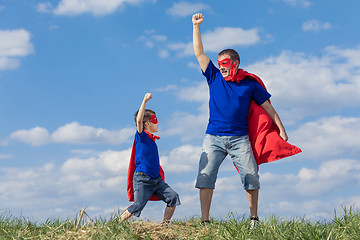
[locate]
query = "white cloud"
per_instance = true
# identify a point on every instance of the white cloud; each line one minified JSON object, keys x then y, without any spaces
{"x":159,"y":38}
{"x":44,"y":7}
{"x":181,"y":159}
{"x":315,"y":26}
{"x":79,"y":134}
{"x":226,"y":37}
{"x":311,"y":183}
{"x":97,"y":182}
{"x":163,"y":53}
{"x":329,"y":137}
{"x":331,"y":175}
{"x":311,"y":192}
{"x":95,"y":176}
{"x":14,"y":44}
{"x":288,"y":196}
{"x":167,"y":88}
{"x":304,"y":85}
{"x":197,"y":93}
{"x":153,"y":40}
{"x":183,"y":49}
{"x":72,"y":133}
{"x":95,"y":7}
{"x":214,"y":41}
{"x":102,"y":165}
{"x":220,"y":38}
{"x":193,"y":125}
{"x":183,"y":9}
{"x":9,"y":63}
{"x":36,"y":136}
{"x":194,"y":65}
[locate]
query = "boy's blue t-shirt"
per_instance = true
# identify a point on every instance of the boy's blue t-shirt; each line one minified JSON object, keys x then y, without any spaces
{"x":146,"y":155}
{"x":229,"y":103}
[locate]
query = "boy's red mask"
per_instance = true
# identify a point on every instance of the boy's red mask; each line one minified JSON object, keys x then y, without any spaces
{"x":153,"y":119}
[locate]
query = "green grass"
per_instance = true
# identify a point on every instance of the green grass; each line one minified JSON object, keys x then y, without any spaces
{"x":344,"y":226}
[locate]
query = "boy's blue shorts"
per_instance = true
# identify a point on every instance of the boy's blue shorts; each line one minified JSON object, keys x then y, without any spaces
{"x":145,"y":186}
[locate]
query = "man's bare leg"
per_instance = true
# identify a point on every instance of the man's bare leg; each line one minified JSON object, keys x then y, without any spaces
{"x":168,"y":213}
{"x":125,"y":215}
{"x":205,"y":202}
{"x":253,"y":197}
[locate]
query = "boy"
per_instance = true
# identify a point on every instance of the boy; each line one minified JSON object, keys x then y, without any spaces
{"x":147,"y":178}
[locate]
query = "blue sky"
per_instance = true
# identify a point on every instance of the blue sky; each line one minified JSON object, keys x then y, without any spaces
{"x":73,"y":73}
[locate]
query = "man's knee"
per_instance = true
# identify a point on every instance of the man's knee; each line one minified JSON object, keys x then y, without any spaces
{"x":251,"y":182}
{"x":206,"y":181}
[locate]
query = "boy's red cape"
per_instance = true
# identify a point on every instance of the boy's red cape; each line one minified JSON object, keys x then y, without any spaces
{"x":264,"y":137}
{"x":131,"y":170}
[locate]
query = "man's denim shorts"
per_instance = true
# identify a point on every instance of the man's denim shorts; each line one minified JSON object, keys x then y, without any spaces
{"x":145,"y":186}
{"x":215,"y":149}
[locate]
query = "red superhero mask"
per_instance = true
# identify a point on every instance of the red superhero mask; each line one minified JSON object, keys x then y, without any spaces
{"x":226,"y":62}
{"x":153,"y":119}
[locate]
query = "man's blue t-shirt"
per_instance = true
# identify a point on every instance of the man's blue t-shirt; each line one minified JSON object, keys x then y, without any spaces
{"x":146,"y":155}
{"x":229,"y":103}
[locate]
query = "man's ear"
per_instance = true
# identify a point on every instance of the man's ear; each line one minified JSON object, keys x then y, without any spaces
{"x":237,"y":63}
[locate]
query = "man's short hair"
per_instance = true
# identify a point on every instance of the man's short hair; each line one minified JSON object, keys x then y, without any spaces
{"x":232,"y":53}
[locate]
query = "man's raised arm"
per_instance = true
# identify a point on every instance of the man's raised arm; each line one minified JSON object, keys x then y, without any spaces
{"x":202,"y":58}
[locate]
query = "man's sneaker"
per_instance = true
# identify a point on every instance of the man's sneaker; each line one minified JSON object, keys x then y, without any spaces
{"x":165,"y":222}
{"x":205,"y":222}
{"x":254,"y":222}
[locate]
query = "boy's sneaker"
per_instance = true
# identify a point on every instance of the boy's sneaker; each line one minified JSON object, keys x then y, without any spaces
{"x":254,"y":222}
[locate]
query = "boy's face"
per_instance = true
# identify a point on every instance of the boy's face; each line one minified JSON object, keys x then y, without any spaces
{"x":152,"y":125}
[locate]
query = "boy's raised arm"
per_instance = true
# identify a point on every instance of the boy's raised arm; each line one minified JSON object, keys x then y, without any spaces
{"x":140,"y":116}
{"x":202,"y":58}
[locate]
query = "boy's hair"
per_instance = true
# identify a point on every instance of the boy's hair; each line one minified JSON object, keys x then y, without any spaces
{"x":234,"y":55}
{"x":147,"y":115}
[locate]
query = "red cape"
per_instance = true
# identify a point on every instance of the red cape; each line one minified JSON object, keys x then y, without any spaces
{"x":131,"y":170}
{"x":264,"y":137}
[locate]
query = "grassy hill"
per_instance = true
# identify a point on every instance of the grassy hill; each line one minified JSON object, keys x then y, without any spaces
{"x":344,"y":226}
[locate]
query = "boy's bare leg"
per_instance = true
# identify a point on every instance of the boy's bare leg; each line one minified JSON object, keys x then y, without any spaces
{"x":125,"y":215}
{"x":205,"y":202}
{"x":168,"y":213}
{"x":253,"y":196}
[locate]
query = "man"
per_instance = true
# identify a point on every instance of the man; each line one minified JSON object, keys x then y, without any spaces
{"x":227,"y":131}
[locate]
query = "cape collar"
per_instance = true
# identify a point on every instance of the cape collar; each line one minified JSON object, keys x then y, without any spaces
{"x":152,"y":136}
{"x":240,"y":75}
